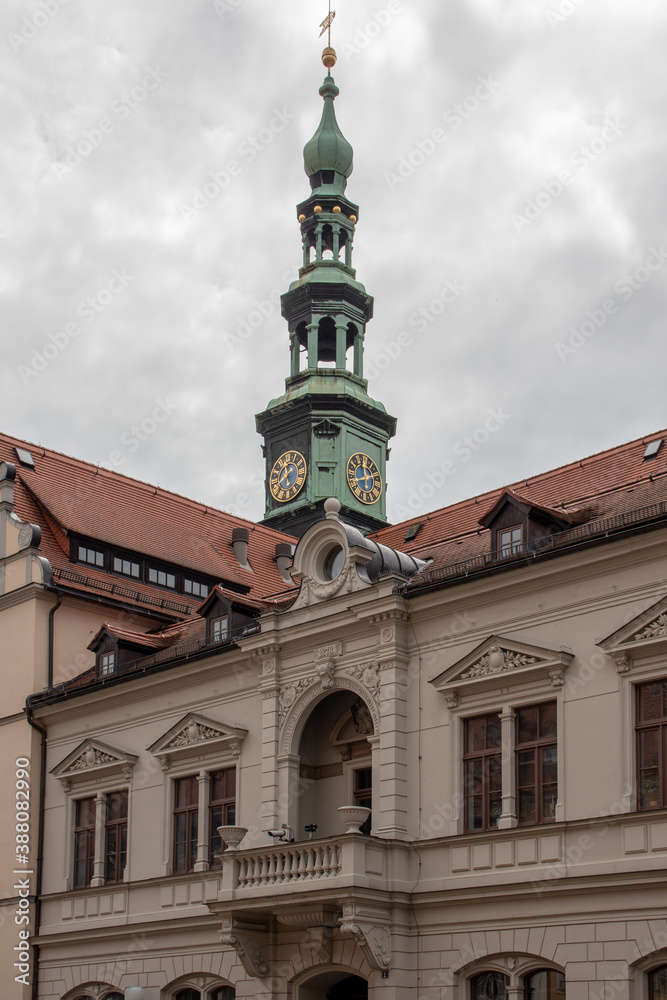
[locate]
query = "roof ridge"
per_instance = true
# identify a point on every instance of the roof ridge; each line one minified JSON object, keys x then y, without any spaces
{"x":530,"y":482}
{"x":156,"y":489}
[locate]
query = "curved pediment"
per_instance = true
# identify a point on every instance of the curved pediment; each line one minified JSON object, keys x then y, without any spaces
{"x":501,"y":661}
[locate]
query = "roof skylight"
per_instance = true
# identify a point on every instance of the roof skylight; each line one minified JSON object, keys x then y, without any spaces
{"x":652,"y":448}
{"x":25,"y":458}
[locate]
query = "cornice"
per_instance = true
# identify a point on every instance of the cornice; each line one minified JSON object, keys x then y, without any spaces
{"x":31,"y":592}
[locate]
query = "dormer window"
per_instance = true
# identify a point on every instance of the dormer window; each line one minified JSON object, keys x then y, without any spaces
{"x":510,"y":540}
{"x":126,"y":567}
{"x":219,"y":629}
{"x":91,"y":556}
{"x":195,"y":588}
{"x":107,"y":664}
{"x":161,"y":577}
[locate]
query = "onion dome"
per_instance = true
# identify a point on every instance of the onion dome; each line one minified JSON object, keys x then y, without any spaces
{"x":328,"y":155}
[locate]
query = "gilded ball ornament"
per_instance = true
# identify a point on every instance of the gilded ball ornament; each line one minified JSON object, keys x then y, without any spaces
{"x":329,"y":57}
{"x":336,"y":209}
{"x":302,"y":218}
{"x":317,"y":209}
{"x":353,"y":218}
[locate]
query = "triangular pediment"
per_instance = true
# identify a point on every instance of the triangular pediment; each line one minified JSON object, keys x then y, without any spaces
{"x":195,"y":732}
{"x":91,"y":759}
{"x":499,"y":660}
{"x":642,"y":636}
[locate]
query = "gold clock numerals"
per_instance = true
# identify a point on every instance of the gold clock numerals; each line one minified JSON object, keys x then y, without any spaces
{"x":287,"y":476}
{"x":363,"y":478}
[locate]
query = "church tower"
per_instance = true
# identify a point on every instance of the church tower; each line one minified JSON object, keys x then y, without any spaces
{"x":325,"y":436}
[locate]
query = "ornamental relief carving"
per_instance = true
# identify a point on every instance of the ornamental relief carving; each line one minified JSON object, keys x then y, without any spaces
{"x":194,"y":732}
{"x":289,"y":694}
{"x":369,"y":675}
{"x":496,"y":661}
{"x":91,"y":758}
{"x":654,"y":630}
{"x":296,"y":697}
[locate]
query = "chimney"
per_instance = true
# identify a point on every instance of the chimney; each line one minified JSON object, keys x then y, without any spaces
{"x":240,"y":539}
{"x":284,"y":560}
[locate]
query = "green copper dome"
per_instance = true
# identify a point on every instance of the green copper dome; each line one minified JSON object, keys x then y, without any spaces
{"x":328,"y":152}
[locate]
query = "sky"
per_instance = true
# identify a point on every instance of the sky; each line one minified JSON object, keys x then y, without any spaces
{"x":510,"y":173}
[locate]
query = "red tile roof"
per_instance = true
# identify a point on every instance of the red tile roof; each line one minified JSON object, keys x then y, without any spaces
{"x":603,"y":485}
{"x":66,"y":497}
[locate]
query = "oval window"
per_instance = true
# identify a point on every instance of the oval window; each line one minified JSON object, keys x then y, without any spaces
{"x":333,"y":563}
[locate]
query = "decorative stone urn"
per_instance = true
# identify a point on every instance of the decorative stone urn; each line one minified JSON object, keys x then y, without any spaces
{"x":232,"y":835}
{"x":353,"y":817}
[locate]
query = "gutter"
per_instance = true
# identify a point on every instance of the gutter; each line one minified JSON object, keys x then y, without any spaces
{"x":409,"y":590}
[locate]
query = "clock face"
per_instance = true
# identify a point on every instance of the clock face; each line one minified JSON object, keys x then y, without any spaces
{"x":363,"y":478}
{"x":287,"y":476}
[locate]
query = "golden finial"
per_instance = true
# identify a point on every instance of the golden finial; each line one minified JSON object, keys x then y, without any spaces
{"x":329,"y":54}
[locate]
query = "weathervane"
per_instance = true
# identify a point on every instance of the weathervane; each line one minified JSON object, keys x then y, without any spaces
{"x":329,"y":54}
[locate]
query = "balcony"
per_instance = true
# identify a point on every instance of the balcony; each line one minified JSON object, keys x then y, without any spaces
{"x":332,"y":864}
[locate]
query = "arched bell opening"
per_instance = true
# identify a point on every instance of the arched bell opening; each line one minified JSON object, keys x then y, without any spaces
{"x":335,"y":764}
{"x":326,"y":342}
{"x":333,"y":986}
{"x":327,"y":242}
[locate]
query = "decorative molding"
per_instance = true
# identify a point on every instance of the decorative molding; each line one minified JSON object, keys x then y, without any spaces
{"x":311,"y":692}
{"x":373,"y":939}
{"x":623,"y":663}
{"x":92,"y":759}
{"x":643,"y":635}
{"x":249,"y":941}
{"x":369,"y":675}
{"x":501,"y":660}
{"x":496,"y":661}
{"x":655,"y":629}
{"x":329,"y":652}
{"x":326,"y":672}
{"x":289,"y":695}
{"x":195,"y":733}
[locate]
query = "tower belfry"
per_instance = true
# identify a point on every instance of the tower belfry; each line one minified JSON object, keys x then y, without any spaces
{"x":325,"y":436}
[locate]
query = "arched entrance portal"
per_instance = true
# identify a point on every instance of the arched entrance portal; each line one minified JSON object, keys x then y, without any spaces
{"x":335,"y":763}
{"x":334,"y":986}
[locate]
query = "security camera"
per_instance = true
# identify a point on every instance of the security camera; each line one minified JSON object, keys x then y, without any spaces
{"x":286,"y":834}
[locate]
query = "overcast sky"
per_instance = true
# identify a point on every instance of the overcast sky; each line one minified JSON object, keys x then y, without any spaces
{"x":510,"y":171}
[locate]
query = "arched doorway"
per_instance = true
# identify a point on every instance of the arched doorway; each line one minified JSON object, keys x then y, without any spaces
{"x":334,"y":986}
{"x":335,"y":763}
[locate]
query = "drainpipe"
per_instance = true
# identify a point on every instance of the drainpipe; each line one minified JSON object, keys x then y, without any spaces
{"x":40,"y":850}
{"x":42,"y":795}
{"x":51,"y":643}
